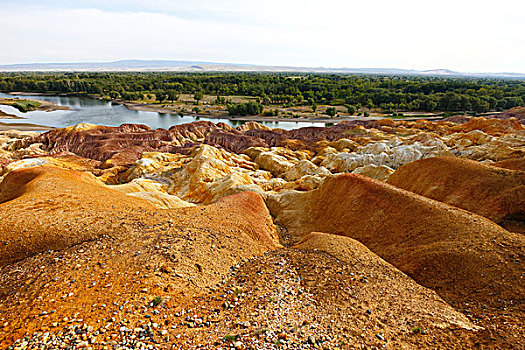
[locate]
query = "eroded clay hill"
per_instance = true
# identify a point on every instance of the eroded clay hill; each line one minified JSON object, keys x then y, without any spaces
{"x":98,"y":257}
{"x":91,"y":240}
{"x":130,"y":237}
{"x":201,"y":162}
{"x":495,"y":193}
{"x":329,"y":292}
{"x":459,"y":254}
{"x":512,"y":164}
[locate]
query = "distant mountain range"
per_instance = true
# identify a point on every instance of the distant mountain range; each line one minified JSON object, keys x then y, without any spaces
{"x":198,"y":66}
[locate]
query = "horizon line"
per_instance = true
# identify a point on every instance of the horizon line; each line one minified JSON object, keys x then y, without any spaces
{"x":204,"y":62}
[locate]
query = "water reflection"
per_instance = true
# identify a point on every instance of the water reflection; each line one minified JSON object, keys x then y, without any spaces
{"x":89,"y":110}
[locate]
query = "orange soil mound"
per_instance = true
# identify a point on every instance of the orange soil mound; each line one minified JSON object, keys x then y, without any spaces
{"x":496,"y":127}
{"x":380,"y":276}
{"x":45,"y":208}
{"x":489,"y":191}
{"x":328,"y":285}
{"x":461,"y":255}
{"x":512,"y":164}
{"x":51,"y":208}
{"x":92,"y":240}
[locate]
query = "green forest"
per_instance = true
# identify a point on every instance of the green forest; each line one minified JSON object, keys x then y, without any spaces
{"x":387,"y":93}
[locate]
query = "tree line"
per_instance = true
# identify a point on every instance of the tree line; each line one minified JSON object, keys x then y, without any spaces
{"x":389,"y":93}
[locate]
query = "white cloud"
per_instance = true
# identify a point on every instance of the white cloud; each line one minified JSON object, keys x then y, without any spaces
{"x":461,"y":35}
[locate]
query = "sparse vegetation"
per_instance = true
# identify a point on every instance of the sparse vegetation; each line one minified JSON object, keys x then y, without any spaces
{"x":157,"y":301}
{"x":26,"y":105}
{"x":416,"y":330}
{"x":228,"y":338}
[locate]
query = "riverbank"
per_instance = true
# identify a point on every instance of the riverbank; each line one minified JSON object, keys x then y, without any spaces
{"x":23,"y":127}
{"x":4,"y":115}
{"x":212,"y":113}
{"x":40,"y":105}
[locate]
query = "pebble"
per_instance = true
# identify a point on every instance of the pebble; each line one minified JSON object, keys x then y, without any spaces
{"x":380,"y":337}
{"x":282,"y":336}
{"x":82,"y":344}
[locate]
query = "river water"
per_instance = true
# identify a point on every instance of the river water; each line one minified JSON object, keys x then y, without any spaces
{"x":89,"y":110}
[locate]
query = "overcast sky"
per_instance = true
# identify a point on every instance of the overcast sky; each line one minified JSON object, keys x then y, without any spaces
{"x":463,"y":35}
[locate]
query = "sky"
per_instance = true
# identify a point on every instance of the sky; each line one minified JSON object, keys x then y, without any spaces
{"x":461,"y":35}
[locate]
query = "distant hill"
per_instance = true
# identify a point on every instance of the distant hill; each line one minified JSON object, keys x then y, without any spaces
{"x":199,"y":66}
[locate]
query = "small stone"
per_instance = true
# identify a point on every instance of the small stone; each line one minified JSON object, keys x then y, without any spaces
{"x":82,"y":344}
{"x":311,"y":340}
{"x":380,"y":337}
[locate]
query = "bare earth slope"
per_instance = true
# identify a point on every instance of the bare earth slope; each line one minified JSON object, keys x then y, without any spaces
{"x":45,"y":208}
{"x":512,"y":164}
{"x":328,"y":291}
{"x":495,"y":193}
{"x":191,"y":247}
{"x":458,"y":254}
{"x":108,"y":239}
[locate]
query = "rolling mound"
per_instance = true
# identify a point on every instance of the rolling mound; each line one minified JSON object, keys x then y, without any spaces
{"x":108,"y":238}
{"x":92,"y":241}
{"x":458,"y":254}
{"x":382,"y":279}
{"x":512,"y":164}
{"x":327,"y":291}
{"x":495,"y":193}
{"x":44,"y":208}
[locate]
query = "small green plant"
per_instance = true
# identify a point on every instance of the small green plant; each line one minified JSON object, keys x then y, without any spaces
{"x":228,"y":337}
{"x":416,"y":330}
{"x":157,"y":301}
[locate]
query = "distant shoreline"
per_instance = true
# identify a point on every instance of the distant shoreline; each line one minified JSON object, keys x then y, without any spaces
{"x":45,"y":106}
{"x":4,"y":115}
{"x":322,"y":121}
{"x":225,"y":115}
{"x":24,"y":127}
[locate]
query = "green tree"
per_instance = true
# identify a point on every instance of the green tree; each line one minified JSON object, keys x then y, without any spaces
{"x":242,"y":109}
{"x":160,"y":96}
{"x":198,"y":96}
{"x":351,"y":109}
{"x":114,"y":94}
{"x":172,"y":95}
{"x":331,"y":111}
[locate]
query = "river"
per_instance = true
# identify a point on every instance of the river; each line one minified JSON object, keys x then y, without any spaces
{"x":90,"y":110}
